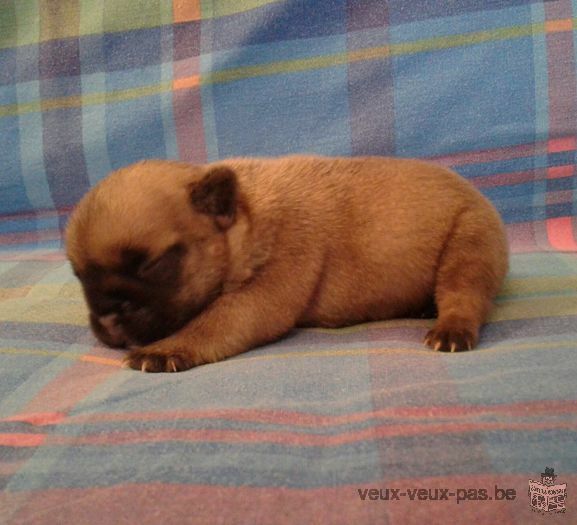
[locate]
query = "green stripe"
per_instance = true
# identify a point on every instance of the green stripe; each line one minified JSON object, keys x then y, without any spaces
{"x":110,"y":16}
{"x":91,"y":17}
{"x":8,"y":26}
{"x":290,"y":66}
{"x":118,"y":17}
{"x":85,"y":100}
{"x":538,"y":286}
{"x":481,"y":37}
{"x":129,"y":15}
{"x":373,"y":53}
{"x":218,"y":8}
{"x":530,"y":308}
{"x":44,"y":353}
{"x":275,"y":68}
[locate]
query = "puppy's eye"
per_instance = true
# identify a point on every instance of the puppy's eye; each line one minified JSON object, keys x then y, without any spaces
{"x":164,"y":268}
{"x":128,"y":307}
{"x":104,"y":304}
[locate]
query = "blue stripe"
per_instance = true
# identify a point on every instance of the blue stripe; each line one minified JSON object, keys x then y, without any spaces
{"x":298,"y":467}
{"x":28,"y":224}
{"x":13,"y":198}
{"x":33,"y":172}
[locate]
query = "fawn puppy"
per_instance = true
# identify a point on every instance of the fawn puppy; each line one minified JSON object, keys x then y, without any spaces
{"x":190,"y":264}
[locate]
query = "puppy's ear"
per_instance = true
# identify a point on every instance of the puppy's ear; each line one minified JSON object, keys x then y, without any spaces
{"x":216,"y":194}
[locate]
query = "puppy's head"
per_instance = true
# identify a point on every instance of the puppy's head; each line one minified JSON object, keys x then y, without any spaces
{"x":149,"y":245}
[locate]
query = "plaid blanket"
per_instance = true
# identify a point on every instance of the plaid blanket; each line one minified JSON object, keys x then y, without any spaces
{"x":357,"y":425}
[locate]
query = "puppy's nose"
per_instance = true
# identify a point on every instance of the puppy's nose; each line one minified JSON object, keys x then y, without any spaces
{"x":109,"y":322}
{"x":111,"y":325}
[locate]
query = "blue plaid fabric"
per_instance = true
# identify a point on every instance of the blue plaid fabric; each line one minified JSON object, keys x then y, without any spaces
{"x":322,"y":426}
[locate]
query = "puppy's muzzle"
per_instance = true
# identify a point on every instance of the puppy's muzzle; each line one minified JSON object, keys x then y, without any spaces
{"x":110,"y":331}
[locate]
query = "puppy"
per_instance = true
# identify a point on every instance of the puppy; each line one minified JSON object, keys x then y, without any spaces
{"x":187,"y":265}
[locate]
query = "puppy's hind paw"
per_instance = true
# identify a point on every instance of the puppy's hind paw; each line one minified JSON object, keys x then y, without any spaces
{"x":450,"y":339}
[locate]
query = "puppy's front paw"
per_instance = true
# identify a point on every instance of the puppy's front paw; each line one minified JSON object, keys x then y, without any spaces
{"x":451,"y":338}
{"x":161,"y":357}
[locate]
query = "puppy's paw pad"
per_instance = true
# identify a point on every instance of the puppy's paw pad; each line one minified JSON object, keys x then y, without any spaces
{"x":149,"y":359}
{"x":450,"y":340}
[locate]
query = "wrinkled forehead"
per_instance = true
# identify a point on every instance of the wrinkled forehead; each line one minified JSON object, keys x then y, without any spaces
{"x":143,"y":206}
{"x":112,"y":234}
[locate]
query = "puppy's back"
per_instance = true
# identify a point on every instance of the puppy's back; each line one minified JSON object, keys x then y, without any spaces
{"x":381,"y":225}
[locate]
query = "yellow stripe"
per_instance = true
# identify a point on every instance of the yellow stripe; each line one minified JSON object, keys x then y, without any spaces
{"x":219,"y":8}
{"x":13,"y":293}
{"x":480,"y":37}
{"x":91,"y":99}
{"x":52,"y":312}
{"x":275,"y":68}
{"x":289,"y":66}
{"x":375,"y":53}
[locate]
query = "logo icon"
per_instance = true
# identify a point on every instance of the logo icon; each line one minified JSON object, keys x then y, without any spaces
{"x":545,"y":495}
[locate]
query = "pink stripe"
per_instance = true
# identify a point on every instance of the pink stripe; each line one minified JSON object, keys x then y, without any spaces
{"x":562,"y":87}
{"x":297,"y":439}
{"x":557,"y":172}
{"x":303,"y":419}
{"x":562,"y":144}
{"x":9,"y":469}
{"x":188,"y":116}
{"x":521,"y":237}
{"x":339,"y":505}
{"x":26,"y":237}
{"x":503,"y":179}
{"x":560,"y":234}
{"x":292,"y":438}
{"x":473,"y":157}
{"x":37,"y":214}
{"x":69,"y":388}
{"x":187,"y":67}
{"x":22,"y":440}
{"x":40,"y":418}
{"x":189,"y":125}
